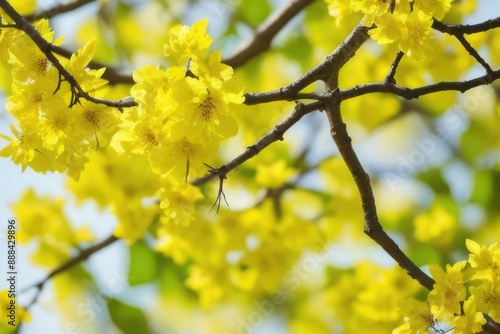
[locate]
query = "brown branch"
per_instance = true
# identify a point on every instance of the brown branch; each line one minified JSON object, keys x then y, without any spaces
{"x":414,"y":93}
{"x":59,"y":9}
{"x":332,"y":64}
{"x":265,"y":33}
{"x":271,"y":137}
{"x":372,"y":226}
{"x":392,"y":72}
{"x":458,"y":31}
{"x":467,"y":29}
{"x":82,"y":256}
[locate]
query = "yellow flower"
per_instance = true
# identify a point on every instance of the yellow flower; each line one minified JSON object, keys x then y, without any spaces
{"x":25,"y":56}
{"x":22,"y":148}
{"x":435,"y":8}
{"x":485,"y":261}
{"x":412,"y":31}
{"x":470,"y":321}
{"x":375,"y":7}
{"x":417,"y":40}
{"x":178,"y":200}
{"x":181,"y":155}
{"x":448,"y":291}
{"x":418,"y":317}
{"x":187,"y":43}
{"x":204,"y":109}
{"x":487,"y":298}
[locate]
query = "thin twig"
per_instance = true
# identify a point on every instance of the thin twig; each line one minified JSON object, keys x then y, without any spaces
{"x":82,"y":256}
{"x":59,"y":9}
{"x":414,"y":93}
{"x":392,"y":72}
{"x":271,"y":137}
{"x":332,"y":64}
{"x":466,"y":29}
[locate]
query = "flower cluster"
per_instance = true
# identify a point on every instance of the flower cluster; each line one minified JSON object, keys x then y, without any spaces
{"x":184,"y":110}
{"x":450,"y":304}
{"x":408,"y":23}
{"x":183,"y":113}
{"x":53,"y":134}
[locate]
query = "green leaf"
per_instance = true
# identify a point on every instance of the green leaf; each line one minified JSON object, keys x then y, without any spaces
{"x":172,"y":277}
{"x":143,"y":264}
{"x":423,"y":254}
{"x":434,"y":179}
{"x":475,"y":142}
{"x":254,"y":12}
{"x":129,"y":319}
{"x":495,"y":194}
{"x":298,"y":48}
{"x":482,"y":187}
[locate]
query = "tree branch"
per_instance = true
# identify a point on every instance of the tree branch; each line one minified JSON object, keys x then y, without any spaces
{"x":372,"y":225}
{"x":59,"y":9}
{"x":82,"y":256}
{"x":467,"y":29}
{"x":251,"y":151}
{"x":414,"y":93}
{"x":265,"y":33}
{"x":332,"y":64}
{"x":392,"y":72}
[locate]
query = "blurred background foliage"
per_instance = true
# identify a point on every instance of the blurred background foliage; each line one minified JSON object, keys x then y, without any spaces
{"x":288,"y":255}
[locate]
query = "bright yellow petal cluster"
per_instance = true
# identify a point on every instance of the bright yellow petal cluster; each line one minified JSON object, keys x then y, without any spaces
{"x":435,"y":8}
{"x":184,"y":110}
{"x":249,"y":251}
{"x":449,"y":304}
{"x":409,"y":24}
{"x":449,"y":290}
{"x":418,"y":317}
{"x":484,"y":260}
{"x":53,"y":135}
{"x":177,"y":200}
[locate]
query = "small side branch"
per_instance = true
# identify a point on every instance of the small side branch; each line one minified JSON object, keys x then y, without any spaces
{"x":414,"y":93}
{"x":326,"y":71}
{"x":466,"y":29}
{"x":274,"y":135}
{"x":392,"y":72}
{"x":59,"y":9}
{"x":82,"y":256}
